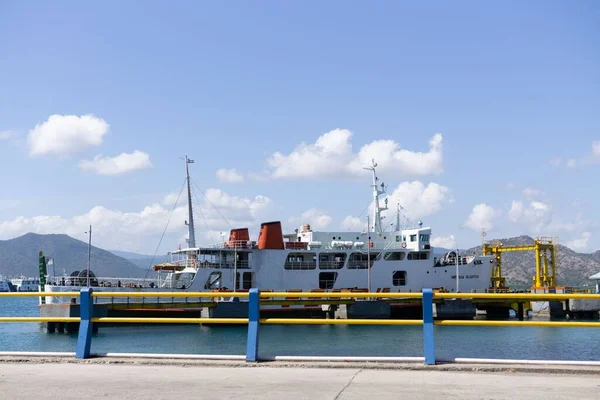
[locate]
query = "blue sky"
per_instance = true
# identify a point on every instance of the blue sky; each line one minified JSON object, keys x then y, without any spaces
{"x":512,"y":87}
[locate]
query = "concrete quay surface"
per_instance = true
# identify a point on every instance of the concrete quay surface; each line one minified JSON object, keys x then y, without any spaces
{"x":36,"y":379}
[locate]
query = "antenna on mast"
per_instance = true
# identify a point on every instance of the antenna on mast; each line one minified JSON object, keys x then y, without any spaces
{"x":190,"y":222}
{"x":376,"y":193}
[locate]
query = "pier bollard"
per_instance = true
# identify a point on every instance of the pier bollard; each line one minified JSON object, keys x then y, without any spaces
{"x":86,"y":311}
{"x":428,"y":338}
{"x":253,"y":324}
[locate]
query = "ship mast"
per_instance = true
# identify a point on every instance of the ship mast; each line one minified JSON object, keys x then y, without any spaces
{"x":376,"y":193}
{"x":190,"y":222}
{"x":398,"y":218}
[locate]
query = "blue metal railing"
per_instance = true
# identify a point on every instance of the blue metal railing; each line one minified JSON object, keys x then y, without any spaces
{"x":254,"y":321}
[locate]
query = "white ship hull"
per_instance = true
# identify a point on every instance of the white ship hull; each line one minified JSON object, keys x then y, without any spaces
{"x":269,"y":271}
{"x":306,"y":260}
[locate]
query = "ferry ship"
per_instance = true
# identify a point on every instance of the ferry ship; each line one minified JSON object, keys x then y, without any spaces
{"x":306,"y":260}
{"x":23,"y":284}
{"x":4,"y":286}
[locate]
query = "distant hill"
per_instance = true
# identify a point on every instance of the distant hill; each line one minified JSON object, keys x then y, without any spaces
{"x":595,"y":256}
{"x":143,"y":261}
{"x":19,"y":256}
{"x":573,"y":269}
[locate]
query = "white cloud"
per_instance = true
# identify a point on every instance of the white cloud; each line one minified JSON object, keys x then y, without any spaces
{"x":316,"y":218}
{"x":531,"y":193}
{"x":121,"y":164}
{"x":141,"y":230}
{"x":580,"y":243}
{"x":536,"y":217}
{"x":516,"y":211}
{"x":596,"y":148}
{"x":351,"y":223}
{"x":171,"y":199}
{"x":446,"y":242}
{"x":332,"y":156}
{"x":229,"y":175}
{"x":539,"y":206}
{"x":482,"y":217}
{"x":5,"y":135}
{"x":592,"y":158}
{"x":66,"y":134}
{"x":259,"y":176}
{"x":418,"y":200}
{"x":540,"y":218}
{"x":556,"y":162}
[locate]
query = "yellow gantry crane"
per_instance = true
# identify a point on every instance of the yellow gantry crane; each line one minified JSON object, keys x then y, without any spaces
{"x":545,"y":252}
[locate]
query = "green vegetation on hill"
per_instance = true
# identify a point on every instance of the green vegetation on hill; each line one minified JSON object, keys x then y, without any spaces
{"x":19,"y":256}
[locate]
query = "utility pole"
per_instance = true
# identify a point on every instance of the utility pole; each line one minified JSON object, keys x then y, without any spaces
{"x":89,"y":255}
{"x":368,"y":256}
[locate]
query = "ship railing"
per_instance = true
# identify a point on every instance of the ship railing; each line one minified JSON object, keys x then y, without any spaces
{"x":427,"y":297}
{"x":227,"y":264}
{"x":360,"y":264}
{"x":331,"y":264}
{"x":96,"y":281}
{"x":236,"y":244}
{"x":301,"y":265}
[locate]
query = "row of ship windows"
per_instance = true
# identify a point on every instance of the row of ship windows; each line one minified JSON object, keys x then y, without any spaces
{"x":327,"y":279}
{"x":307,"y":261}
{"x":399,"y":238}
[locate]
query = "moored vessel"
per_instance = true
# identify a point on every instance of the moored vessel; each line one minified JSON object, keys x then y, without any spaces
{"x":400,"y":260}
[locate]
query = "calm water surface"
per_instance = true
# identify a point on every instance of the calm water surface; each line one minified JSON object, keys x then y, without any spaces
{"x":481,"y":342}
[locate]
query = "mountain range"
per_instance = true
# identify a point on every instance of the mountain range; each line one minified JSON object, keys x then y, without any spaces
{"x":573,"y":269}
{"x":19,"y":256}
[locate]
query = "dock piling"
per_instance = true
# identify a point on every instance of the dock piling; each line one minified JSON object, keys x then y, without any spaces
{"x":84,"y":340}
{"x":253,"y":325}
{"x":428,"y":339}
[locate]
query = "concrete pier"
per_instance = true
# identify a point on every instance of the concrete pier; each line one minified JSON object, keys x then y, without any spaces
{"x":68,"y":310}
{"x":365,"y":309}
{"x":116,"y":381}
{"x":455,"y":309}
{"x":583,"y":309}
{"x":233,"y":309}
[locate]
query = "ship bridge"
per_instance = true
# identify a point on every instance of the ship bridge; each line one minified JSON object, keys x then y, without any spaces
{"x":410,"y":239}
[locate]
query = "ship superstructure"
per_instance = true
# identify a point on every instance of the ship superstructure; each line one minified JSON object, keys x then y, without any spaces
{"x":372,"y":259}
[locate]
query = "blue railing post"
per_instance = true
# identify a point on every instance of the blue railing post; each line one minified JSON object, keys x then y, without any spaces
{"x":86,"y":312}
{"x":253,"y":323}
{"x":428,"y":338}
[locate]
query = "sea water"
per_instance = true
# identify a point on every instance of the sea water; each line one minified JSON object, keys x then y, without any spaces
{"x":328,"y":340}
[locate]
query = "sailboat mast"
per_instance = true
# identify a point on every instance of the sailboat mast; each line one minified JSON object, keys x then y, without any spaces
{"x":192,"y":233}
